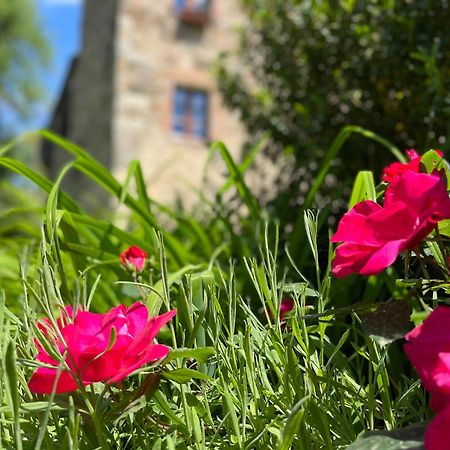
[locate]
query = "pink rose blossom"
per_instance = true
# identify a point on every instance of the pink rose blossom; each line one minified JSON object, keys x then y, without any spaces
{"x":287,"y":305}
{"x":134,"y":257}
{"x":439,"y":400}
{"x":372,"y":236}
{"x":437,"y":433}
{"x":428,"y":348}
{"x":396,"y":169}
{"x":94,"y":352}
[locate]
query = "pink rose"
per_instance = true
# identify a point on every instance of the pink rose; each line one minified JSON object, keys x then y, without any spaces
{"x":439,"y":400}
{"x":372,"y":236}
{"x":428,"y":348}
{"x":287,"y":305}
{"x":396,"y":169}
{"x":134,"y":257}
{"x":94,"y":352}
{"x":437,"y":431}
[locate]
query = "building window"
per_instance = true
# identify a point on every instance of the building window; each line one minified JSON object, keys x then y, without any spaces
{"x":192,"y":5}
{"x":190,"y":113}
{"x":193,"y":12}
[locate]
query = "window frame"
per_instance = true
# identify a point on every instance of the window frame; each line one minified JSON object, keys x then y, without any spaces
{"x":187,"y":12}
{"x":185,"y":118}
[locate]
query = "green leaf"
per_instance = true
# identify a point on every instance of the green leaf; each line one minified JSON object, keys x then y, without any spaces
{"x":12,"y":388}
{"x":336,"y":147}
{"x":64,"y":200}
{"x":363,"y":188}
{"x":230,"y":409}
{"x":320,"y":419}
{"x":298,"y":288}
{"x":444,"y":227}
{"x":293,"y":423}
{"x":165,"y":408}
{"x":237,"y":177}
{"x":246,"y":163}
{"x":199,"y":354}
{"x":34,"y":407}
{"x":141,"y":187}
{"x":107,"y":227}
{"x":431,"y":161}
{"x":389,"y":322}
{"x":51,"y":216}
{"x":183,"y":376}
{"x":87,"y":165}
{"x":410,"y":438}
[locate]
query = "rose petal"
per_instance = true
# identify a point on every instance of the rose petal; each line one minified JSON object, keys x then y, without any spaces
{"x":372,"y":236}
{"x":150,"y":331}
{"x":43,"y":379}
{"x":152,"y":353}
{"x":437,"y":432}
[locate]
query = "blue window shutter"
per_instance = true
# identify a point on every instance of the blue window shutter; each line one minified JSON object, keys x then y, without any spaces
{"x":180,"y":104}
{"x":180,"y":5}
{"x":199,"y":102}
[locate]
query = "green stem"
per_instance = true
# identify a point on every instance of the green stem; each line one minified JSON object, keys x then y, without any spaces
{"x":442,"y":248}
{"x":95,"y":419}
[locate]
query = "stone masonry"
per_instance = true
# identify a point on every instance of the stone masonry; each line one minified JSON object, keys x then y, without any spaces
{"x":118,"y":98}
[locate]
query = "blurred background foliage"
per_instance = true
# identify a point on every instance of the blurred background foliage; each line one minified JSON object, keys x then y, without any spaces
{"x":24,"y":51}
{"x":308,"y":68}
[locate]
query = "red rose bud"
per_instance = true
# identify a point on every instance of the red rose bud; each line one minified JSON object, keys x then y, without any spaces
{"x":134,"y":258}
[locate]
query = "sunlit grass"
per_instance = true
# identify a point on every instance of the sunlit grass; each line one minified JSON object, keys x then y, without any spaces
{"x":239,"y":377}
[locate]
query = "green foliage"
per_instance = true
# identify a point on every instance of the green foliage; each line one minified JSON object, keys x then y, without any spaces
{"x":23,"y":51}
{"x":217,"y":232}
{"x":389,"y":322}
{"x":411,"y":438}
{"x":307,"y":69}
{"x":363,"y":188}
{"x":238,"y":377}
{"x":265,"y":386}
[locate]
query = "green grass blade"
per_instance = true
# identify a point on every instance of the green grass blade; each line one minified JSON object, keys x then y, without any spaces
{"x":238,"y":179}
{"x":293,"y":424}
{"x":40,"y":181}
{"x":363,"y":188}
{"x":246,"y":163}
{"x":12,"y":389}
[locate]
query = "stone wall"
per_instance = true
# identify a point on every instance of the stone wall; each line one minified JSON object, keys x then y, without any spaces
{"x":155,"y":53}
{"x":84,"y":112}
{"x":117,"y":102}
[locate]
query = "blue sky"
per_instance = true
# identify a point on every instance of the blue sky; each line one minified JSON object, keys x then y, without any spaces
{"x":61,"y":20}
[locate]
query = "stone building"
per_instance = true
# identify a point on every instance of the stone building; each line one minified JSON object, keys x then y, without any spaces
{"x":142,"y":88}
